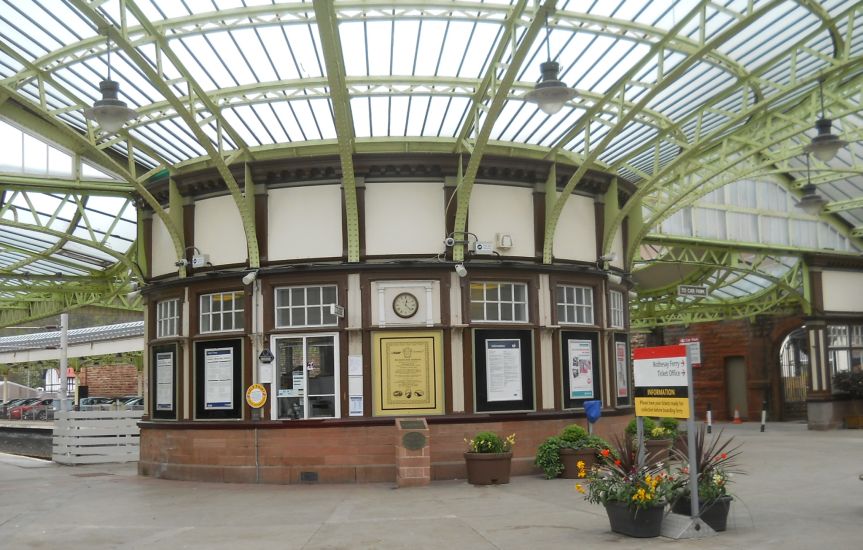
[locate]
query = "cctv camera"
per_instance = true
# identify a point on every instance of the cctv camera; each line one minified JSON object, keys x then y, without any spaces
{"x":610,"y":257}
{"x":182,"y":262}
{"x":250,"y":277}
{"x":449,"y":241}
{"x":460,"y":270}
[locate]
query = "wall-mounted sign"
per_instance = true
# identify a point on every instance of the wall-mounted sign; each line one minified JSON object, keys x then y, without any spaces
{"x":620,"y":363}
{"x":661,"y":382}
{"x":693,"y":351}
{"x":256,"y":396}
{"x":580,"y":369}
{"x":503,"y":369}
{"x":266,"y":356}
{"x":407,"y":372}
{"x":697,"y":291}
{"x":219,"y":378}
{"x":165,"y":381}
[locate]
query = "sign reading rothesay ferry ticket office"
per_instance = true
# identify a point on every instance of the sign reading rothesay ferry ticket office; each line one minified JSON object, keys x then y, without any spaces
{"x":661,"y":382}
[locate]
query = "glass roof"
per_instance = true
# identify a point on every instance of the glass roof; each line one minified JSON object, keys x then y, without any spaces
{"x":679,"y":98}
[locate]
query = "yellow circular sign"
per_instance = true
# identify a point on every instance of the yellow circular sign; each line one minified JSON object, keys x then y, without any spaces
{"x":256,"y":396}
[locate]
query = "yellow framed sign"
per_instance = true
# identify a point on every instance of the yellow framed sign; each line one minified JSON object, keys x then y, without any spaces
{"x":407,"y":373}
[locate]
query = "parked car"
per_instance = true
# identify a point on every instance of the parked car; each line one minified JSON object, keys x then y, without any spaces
{"x":96,"y":403}
{"x":41,"y":410}
{"x":126,"y":398}
{"x":134,"y":404}
{"x":28,"y":410}
{"x":15,"y":403}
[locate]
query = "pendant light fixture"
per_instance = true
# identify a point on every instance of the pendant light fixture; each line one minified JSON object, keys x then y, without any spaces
{"x":110,"y":113}
{"x":550,"y":93}
{"x":824,"y":145}
{"x":811,"y":202}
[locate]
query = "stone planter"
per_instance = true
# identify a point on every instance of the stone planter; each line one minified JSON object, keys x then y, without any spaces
{"x":635,"y":522}
{"x":570,"y":457}
{"x":488,"y":468}
{"x":713,"y":513}
{"x":657,"y":450}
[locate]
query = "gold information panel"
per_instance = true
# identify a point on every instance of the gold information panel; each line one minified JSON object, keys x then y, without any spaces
{"x":407,"y":373}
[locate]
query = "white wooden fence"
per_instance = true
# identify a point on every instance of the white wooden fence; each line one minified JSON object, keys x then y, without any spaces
{"x":93,"y":437}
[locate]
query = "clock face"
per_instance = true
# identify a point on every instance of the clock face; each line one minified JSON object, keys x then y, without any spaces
{"x":405,"y":305}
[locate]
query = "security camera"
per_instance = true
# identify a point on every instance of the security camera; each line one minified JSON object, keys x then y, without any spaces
{"x":449,"y":241}
{"x":182,"y":262}
{"x":610,"y":257}
{"x":250,"y":277}
{"x":460,"y":270}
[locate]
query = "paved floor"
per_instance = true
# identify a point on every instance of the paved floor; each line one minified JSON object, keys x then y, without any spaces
{"x":802,"y":491}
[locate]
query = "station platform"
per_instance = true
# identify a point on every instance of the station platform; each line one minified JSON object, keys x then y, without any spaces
{"x":801,"y":492}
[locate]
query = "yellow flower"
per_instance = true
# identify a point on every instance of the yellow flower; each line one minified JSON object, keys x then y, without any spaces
{"x":579,"y":488}
{"x":580,"y":465}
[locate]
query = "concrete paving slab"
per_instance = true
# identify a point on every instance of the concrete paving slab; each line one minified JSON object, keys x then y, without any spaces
{"x":802,"y":491}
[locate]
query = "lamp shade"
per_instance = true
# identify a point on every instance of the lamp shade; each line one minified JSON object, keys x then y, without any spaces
{"x":811,"y":202}
{"x":550,"y":93}
{"x":109,"y":112}
{"x":824,"y":145}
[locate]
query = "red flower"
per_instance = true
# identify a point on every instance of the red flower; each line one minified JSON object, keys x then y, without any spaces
{"x":617,"y":463}
{"x":605,"y":452}
{"x":724,"y":456}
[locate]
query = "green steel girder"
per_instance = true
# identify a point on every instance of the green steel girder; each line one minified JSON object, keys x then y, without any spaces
{"x":155,"y":76}
{"x":47,"y":184}
{"x":755,"y":116}
{"x":51,"y":128}
{"x":662,"y":82}
{"x":518,"y":55}
{"x":343,"y":117}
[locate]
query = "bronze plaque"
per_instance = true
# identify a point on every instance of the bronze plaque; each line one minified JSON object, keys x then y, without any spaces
{"x":413,"y":441}
{"x":412,"y":425}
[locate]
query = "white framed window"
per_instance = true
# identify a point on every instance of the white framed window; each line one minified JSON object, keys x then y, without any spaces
{"x":498,"y":302}
{"x":574,"y":304}
{"x":615,"y":308}
{"x":845,"y":348}
{"x":167,"y":318}
{"x":307,"y":381}
{"x":222,"y":311}
{"x":305,"y":306}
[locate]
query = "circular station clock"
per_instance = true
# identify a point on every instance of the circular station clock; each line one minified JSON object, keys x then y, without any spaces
{"x":405,"y":305}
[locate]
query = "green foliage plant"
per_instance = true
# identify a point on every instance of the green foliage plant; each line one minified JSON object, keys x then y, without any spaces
{"x":849,"y":382}
{"x":548,"y":457}
{"x":490,"y":442}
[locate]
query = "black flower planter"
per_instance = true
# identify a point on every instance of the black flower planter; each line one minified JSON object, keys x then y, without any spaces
{"x":635,"y":522}
{"x":714,"y":513}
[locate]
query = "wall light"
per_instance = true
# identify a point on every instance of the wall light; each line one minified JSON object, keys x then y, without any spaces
{"x":250,"y":277}
{"x":460,"y":270}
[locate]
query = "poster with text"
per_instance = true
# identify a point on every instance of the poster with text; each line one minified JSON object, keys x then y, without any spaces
{"x":407,"y":372}
{"x":503,"y":370}
{"x":219,"y":379}
{"x":165,"y":381}
{"x":620,"y":364}
{"x":580,"y":369}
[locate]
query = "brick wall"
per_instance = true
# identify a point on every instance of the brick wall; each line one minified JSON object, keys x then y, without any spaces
{"x":757,"y":342}
{"x":339,"y":454}
{"x":110,"y":380}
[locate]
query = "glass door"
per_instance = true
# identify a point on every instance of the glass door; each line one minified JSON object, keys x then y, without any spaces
{"x":307,"y":376}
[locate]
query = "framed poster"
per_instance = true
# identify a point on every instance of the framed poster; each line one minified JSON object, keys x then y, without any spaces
{"x":219,"y":383}
{"x":407,"y":372}
{"x":622,"y":370}
{"x":163,"y":381}
{"x":580,"y":361}
{"x":579,"y":352}
{"x":503,"y":370}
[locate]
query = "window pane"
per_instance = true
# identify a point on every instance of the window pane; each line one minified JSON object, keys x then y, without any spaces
{"x":520,"y":314}
{"x":520,"y":291}
{"x":857,"y":335}
{"x":238,"y":320}
{"x":561,"y":313}
{"x":477,"y":312}
{"x":281,"y":296}
{"x":283,"y":317}
{"x":298,"y":297}
{"x":329,"y":318}
{"x":560,"y":294}
{"x":506,"y":293}
{"x":476,"y":292}
{"x":239,"y":301}
{"x":330,"y":295}
{"x":217,"y":322}
{"x":205,"y":304}
{"x":322,"y":407}
{"x":313,"y":296}
{"x":314,"y":317}
{"x":298,"y":316}
{"x":491,"y":292}
{"x":491,"y":312}
{"x":506,"y":312}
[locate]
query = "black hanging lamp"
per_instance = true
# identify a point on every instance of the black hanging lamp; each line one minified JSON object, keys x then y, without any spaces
{"x":550,"y":93}
{"x":110,"y":113}
{"x":824,"y":145}
{"x":811,"y":202}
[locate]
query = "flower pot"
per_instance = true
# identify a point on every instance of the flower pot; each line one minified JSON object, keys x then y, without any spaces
{"x":635,"y":522}
{"x":714,"y":512}
{"x":488,"y":468}
{"x":570,"y":458}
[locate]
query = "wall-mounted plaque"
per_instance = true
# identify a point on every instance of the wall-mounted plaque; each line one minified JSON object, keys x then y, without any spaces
{"x":407,"y":372}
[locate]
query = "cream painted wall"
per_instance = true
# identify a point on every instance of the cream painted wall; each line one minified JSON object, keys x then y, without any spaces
{"x":617,"y":248}
{"x":219,"y":231}
{"x":304,"y":222}
{"x":404,"y":218}
{"x":497,"y":209}
{"x":575,"y":238}
{"x":842,"y":291}
{"x":164,"y":254}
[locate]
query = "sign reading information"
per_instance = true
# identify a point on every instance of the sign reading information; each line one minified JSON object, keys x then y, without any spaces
{"x":661,"y":382}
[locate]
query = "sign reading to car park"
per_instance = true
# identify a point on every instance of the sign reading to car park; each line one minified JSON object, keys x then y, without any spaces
{"x":692,"y":290}
{"x":661,"y":382}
